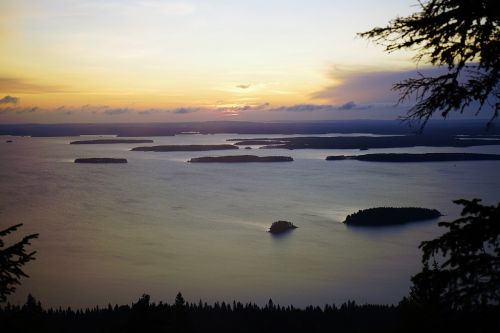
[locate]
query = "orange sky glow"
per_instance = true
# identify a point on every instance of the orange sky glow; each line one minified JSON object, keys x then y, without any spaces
{"x":152,"y":60}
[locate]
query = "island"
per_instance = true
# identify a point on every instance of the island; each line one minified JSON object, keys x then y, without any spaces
{"x":105,"y":160}
{"x":427,"y":157}
{"x":280,"y":227}
{"x":8,"y":141}
{"x":167,"y":148}
{"x":240,"y":159}
{"x":256,"y":142}
{"x":386,"y":216}
{"x":364,"y":142}
{"x":107,"y":141}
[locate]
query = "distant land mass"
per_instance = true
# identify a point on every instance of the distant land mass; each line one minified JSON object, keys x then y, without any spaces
{"x":367,"y":142}
{"x":104,"y":160}
{"x":166,"y":148}
{"x":427,"y":157}
{"x":240,"y":159}
{"x":107,"y":141}
{"x":385,"y":216}
{"x":449,"y":127}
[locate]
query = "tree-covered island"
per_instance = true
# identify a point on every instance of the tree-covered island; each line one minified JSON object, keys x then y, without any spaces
{"x":386,"y":216}
{"x":240,"y":159}
{"x":102,"y":160}
{"x":167,"y":148}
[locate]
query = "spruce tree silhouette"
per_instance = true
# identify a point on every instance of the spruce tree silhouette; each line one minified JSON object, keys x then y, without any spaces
{"x":461,"y":36}
{"x":462,"y":267}
{"x":12,"y":259}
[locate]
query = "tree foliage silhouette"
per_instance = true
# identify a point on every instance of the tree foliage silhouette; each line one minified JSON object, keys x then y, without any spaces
{"x":461,"y":35}
{"x":462,"y":267}
{"x":12,"y":259}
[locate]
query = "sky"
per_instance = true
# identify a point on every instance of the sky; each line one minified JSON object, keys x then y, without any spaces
{"x":162,"y":60}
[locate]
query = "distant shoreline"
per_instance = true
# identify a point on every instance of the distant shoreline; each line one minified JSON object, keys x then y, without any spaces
{"x":366,"y":142}
{"x":108,"y":141}
{"x":407,"y":158}
{"x":474,"y":127}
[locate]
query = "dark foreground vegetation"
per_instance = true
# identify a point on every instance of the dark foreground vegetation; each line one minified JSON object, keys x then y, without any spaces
{"x":108,"y":141}
{"x":428,"y":157}
{"x":382,"y":216}
{"x":145,"y":316}
{"x":240,"y":159}
{"x":103,"y":160}
{"x":166,"y":148}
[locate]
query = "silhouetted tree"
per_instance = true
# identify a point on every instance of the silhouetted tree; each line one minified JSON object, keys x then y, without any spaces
{"x":12,"y":259}
{"x":465,"y":261}
{"x":463,"y":36}
{"x":179,"y":300}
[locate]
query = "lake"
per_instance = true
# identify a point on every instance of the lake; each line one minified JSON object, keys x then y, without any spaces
{"x":159,"y":225}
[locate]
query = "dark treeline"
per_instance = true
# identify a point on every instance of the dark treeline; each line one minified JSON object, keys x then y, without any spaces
{"x":181,"y":316}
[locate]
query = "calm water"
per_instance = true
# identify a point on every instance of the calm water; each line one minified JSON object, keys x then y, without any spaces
{"x":159,"y":225}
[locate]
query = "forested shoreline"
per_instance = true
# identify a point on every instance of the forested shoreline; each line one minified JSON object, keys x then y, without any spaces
{"x":182,"y":316}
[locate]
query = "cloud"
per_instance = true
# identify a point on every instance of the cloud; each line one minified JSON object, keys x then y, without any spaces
{"x":368,"y":85}
{"x":353,"y":106}
{"x":348,"y":106}
{"x":138,"y":7}
{"x":19,"y":110}
{"x":243,"y":86}
{"x":17,"y":85}
{"x":304,"y":108}
{"x":115,"y":112}
{"x":185,"y":110}
{"x":151,"y":111}
{"x":7,"y":110}
{"x":237,"y":109}
{"x":9,"y":100}
{"x":32,"y":109}
{"x":176,"y":8}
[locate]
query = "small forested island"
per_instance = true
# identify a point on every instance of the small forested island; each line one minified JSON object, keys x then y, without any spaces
{"x":104,"y":160}
{"x":279,"y":227}
{"x":428,"y":157}
{"x":107,"y":141}
{"x":384,"y":216}
{"x":166,"y":148}
{"x":240,"y":159}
